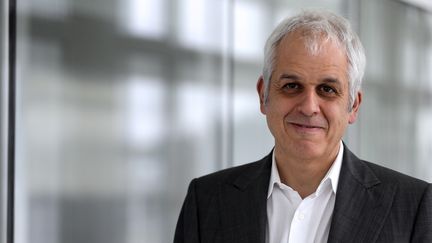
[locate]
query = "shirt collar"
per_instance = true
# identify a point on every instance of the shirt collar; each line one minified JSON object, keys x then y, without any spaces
{"x":332,"y":173}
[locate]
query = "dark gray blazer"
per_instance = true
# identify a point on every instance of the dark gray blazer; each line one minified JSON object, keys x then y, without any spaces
{"x":373,"y":204}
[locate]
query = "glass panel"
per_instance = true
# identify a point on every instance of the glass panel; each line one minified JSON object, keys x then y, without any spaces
{"x":397,"y":87}
{"x":119,"y":107}
{"x":122,"y":103}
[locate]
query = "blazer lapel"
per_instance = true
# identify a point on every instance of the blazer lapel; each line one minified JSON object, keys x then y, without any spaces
{"x":362,"y":203}
{"x":243,"y":202}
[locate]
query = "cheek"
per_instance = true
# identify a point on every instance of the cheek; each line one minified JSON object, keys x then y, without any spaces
{"x":338,"y":118}
{"x":276,"y":115}
{"x":278,"y":108}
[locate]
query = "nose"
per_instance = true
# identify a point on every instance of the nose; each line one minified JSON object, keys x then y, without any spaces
{"x":309,"y":104}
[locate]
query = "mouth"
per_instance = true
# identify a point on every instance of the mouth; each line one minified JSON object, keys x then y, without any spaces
{"x":306,"y":128}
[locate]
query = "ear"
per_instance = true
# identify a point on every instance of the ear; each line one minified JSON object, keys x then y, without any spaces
{"x":355,"y":108}
{"x":261,"y":93}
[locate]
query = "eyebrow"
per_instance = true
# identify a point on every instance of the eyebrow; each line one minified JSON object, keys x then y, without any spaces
{"x":331,"y":80}
{"x":289,"y":76}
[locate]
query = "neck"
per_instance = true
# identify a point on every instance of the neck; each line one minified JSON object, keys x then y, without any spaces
{"x":303,"y":176}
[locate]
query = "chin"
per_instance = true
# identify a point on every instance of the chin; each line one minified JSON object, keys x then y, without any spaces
{"x":308,"y":149}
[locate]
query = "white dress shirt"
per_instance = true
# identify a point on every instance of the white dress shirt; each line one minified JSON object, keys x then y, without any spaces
{"x":291,"y":219}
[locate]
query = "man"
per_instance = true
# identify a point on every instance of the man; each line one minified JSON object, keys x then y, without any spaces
{"x":310,"y":188}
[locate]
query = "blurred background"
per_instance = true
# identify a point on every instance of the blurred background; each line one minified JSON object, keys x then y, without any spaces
{"x":119,"y":104}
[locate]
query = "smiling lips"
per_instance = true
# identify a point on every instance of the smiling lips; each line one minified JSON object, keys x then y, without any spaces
{"x":307,"y":126}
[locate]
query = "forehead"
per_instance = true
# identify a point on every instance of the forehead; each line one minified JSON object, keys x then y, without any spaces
{"x":317,"y":52}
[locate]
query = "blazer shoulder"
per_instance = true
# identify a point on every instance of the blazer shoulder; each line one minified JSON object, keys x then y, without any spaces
{"x":389,"y":176}
{"x":232,"y":174}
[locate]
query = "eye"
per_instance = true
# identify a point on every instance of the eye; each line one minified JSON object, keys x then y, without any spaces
{"x":327,"y":89}
{"x":291,"y":86}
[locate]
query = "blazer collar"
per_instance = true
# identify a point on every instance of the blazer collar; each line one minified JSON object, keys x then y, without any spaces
{"x":244,"y":203}
{"x":356,"y":168}
{"x":259,"y":171}
{"x":362,"y":202}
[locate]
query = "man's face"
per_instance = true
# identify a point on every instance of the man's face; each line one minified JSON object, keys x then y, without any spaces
{"x":307,"y":107}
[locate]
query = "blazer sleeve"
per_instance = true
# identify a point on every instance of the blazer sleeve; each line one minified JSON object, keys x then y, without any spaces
{"x":187,"y":230}
{"x":422,"y":231}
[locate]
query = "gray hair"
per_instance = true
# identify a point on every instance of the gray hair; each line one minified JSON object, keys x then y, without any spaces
{"x":315,"y":25}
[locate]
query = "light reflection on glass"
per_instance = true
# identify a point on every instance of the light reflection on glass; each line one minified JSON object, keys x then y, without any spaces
{"x":199,"y":24}
{"x":146,"y":120}
{"x":249,"y":23}
{"x":144,"y":18}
